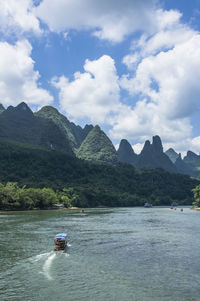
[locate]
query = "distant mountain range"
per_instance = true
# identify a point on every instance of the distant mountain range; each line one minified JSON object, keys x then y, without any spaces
{"x":45,"y":149}
{"x":50,"y":129}
{"x":152,"y":156}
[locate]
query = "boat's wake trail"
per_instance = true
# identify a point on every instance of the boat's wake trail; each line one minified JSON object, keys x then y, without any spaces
{"x":47,"y":265}
{"x":40,"y":256}
{"x":45,"y":261}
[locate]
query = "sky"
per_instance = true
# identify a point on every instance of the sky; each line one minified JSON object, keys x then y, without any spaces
{"x":130,"y":66}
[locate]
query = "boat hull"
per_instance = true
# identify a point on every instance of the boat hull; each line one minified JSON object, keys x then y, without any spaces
{"x":60,"y":247}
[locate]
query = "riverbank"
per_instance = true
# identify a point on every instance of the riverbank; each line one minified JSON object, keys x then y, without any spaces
{"x":38,"y":209}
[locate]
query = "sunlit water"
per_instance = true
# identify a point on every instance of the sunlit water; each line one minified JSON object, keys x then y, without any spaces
{"x":141,"y":254}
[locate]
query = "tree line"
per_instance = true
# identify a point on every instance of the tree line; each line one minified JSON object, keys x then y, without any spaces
{"x":33,"y":177}
{"x":13,"y":197}
{"x":196,"y":192}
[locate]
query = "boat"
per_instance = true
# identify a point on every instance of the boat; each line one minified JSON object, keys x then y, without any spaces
{"x":60,"y":242}
{"x":148,"y":205}
{"x":174,"y":204}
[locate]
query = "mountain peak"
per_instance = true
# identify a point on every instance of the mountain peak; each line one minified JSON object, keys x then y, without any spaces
{"x":21,"y":111}
{"x":124,"y":144}
{"x":88,"y":126}
{"x":24,"y":110}
{"x":126,"y":153}
{"x":74,"y":133}
{"x":23,"y":106}
{"x":191,"y":154}
{"x":179,"y":157}
{"x":182,"y":166}
{"x":152,"y":156}
{"x":1,"y":108}
{"x":97,"y":128}
{"x":157,"y":144}
{"x":173,"y":156}
{"x":97,"y":147}
{"x":48,"y":110}
{"x":146,"y":147}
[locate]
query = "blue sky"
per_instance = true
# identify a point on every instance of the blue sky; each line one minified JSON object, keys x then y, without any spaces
{"x":131,"y":66}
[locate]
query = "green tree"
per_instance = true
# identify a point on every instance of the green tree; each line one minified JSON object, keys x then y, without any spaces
{"x":66,"y":201}
{"x":196,"y":192}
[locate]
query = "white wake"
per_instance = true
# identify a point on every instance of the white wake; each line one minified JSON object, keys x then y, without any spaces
{"x":40,"y":256}
{"x":47,"y":265}
{"x":47,"y":259}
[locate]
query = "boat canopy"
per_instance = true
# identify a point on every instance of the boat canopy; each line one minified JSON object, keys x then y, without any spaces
{"x":62,"y":236}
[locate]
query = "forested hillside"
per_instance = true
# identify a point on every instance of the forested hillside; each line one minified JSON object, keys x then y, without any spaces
{"x":91,"y":184}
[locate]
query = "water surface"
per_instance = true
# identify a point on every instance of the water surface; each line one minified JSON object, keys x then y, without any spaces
{"x":141,"y":254}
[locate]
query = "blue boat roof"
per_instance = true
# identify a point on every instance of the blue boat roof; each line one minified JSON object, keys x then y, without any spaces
{"x":61,"y":235}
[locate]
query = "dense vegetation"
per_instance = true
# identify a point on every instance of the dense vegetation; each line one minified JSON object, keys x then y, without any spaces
{"x":196,"y":192}
{"x":52,"y":130}
{"x":192,"y":160}
{"x":97,"y":147}
{"x":13,"y":197}
{"x":86,"y":184}
{"x":73,"y":133}
{"x":20,"y":124}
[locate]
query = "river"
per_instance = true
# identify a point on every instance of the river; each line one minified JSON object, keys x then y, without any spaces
{"x":136,"y":254}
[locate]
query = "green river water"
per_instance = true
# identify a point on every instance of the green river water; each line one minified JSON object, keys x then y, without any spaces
{"x":143,"y":254}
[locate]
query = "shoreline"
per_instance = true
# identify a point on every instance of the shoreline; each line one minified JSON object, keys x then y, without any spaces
{"x":38,"y":209}
{"x":82,"y":209}
{"x":72,"y":208}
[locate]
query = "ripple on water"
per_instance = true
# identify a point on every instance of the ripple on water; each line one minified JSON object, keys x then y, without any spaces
{"x":121,"y":254}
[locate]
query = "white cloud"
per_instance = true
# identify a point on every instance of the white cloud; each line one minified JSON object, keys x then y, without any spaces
{"x":17,"y":17}
{"x":18,"y":79}
{"x":164,"y":77}
{"x":145,"y":120}
{"x":195,"y":144}
{"x":164,"y":66}
{"x":111,"y":20}
{"x":168,"y":33}
{"x":170,"y":79}
{"x":180,"y":146}
{"x":138,"y":147}
{"x":94,"y":94}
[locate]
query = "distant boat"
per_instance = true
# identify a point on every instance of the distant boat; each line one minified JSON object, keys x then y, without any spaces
{"x":60,"y":242}
{"x":148,"y":205}
{"x":174,"y":204}
{"x":57,"y":206}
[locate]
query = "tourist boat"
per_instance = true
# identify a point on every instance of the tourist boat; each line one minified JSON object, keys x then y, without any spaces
{"x":60,"y":242}
{"x":174,"y":204}
{"x":148,"y":205}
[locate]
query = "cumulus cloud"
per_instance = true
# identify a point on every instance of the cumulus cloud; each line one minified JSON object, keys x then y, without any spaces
{"x":94,"y":94}
{"x":18,"y":79}
{"x":144,"y":121}
{"x":170,"y":79}
{"x":17,"y":17}
{"x":164,"y":72}
{"x":195,"y":144}
{"x":163,"y":67}
{"x":137,"y":147}
{"x":111,"y":20}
